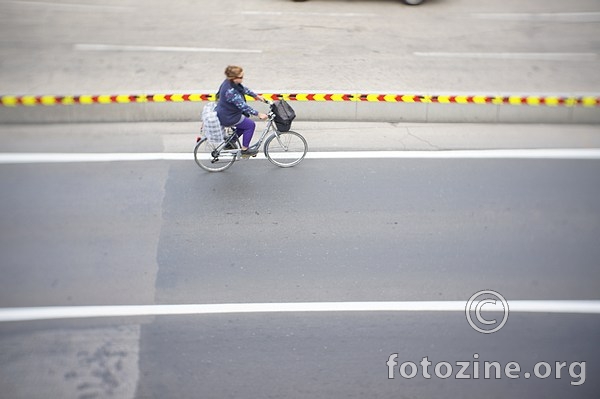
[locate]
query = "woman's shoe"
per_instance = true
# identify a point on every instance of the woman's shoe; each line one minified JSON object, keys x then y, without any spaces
{"x":250,"y":152}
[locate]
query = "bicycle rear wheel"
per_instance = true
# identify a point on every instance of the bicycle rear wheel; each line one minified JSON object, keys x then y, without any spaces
{"x":286,"y":149}
{"x":207,"y":158}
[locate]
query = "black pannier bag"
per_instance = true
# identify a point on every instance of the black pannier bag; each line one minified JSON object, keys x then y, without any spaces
{"x":284,"y":115}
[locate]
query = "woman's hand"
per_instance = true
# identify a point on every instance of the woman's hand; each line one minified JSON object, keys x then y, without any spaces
{"x":261,"y":98}
{"x":262,"y":116}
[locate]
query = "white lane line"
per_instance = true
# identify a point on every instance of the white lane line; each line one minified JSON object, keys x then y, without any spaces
{"x":581,"y":154}
{"x":76,"y":312}
{"x":16,"y":158}
{"x":541,"y":17}
{"x":310,"y":14}
{"x":72,"y":6}
{"x":512,"y":56}
{"x":118,"y":47}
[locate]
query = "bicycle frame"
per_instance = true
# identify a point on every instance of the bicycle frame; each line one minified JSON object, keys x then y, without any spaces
{"x":263,"y":136}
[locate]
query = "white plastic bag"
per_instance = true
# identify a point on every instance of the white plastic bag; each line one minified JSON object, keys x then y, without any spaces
{"x":211,"y":127}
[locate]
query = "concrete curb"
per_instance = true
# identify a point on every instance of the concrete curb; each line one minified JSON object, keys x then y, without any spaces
{"x":402,"y":108}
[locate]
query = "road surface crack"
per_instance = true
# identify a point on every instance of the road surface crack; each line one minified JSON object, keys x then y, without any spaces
{"x":409,"y":133}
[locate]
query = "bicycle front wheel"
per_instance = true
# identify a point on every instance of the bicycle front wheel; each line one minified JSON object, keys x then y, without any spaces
{"x":286,"y":149}
{"x":206,"y":156}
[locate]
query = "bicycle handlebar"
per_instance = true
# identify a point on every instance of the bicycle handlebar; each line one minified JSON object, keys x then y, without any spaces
{"x":270,"y":103}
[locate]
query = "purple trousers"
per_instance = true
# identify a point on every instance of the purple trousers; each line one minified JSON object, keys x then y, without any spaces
{"x":246,"y":129}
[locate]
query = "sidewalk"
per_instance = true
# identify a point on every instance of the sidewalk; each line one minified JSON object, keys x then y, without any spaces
{"x":321,"y":136}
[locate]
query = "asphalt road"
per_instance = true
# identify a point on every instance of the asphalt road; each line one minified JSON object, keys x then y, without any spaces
{"x":145,"y":46}
{"x":164,"y":232}
{"x":328,"y":230}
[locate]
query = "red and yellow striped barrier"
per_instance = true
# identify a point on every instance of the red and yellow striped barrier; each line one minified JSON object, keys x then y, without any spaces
{"x":550,"y":101}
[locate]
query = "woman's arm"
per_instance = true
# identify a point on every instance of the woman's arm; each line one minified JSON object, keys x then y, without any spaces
{"x":252,"y":94}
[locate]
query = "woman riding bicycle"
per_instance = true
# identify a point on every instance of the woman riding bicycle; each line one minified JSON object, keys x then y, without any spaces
{"x":233,"y":110}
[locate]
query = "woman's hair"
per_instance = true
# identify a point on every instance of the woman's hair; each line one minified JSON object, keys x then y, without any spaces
{"x":233,"y":71}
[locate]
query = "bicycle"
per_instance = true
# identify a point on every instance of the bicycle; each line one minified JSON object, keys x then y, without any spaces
{"x":284,"y":149}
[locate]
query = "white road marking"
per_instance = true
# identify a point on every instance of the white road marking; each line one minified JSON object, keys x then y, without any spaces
{"x":72,"y":6}
{"x":541,"y":17}
{"x":310,"y":14}
{"x":77,"y":312}
{"x":119,"y":47}
{"x":465,"y":154}
{"x":12,"y":158}
{"x":559,"y":153}
{"x":513,"y":56}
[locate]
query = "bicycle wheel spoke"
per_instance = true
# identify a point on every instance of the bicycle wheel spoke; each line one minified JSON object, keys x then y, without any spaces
{"x":208,"y":157}
{"x":286,"y":149}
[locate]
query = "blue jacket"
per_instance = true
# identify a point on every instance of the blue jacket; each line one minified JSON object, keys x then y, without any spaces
{"x":231,"y":106}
